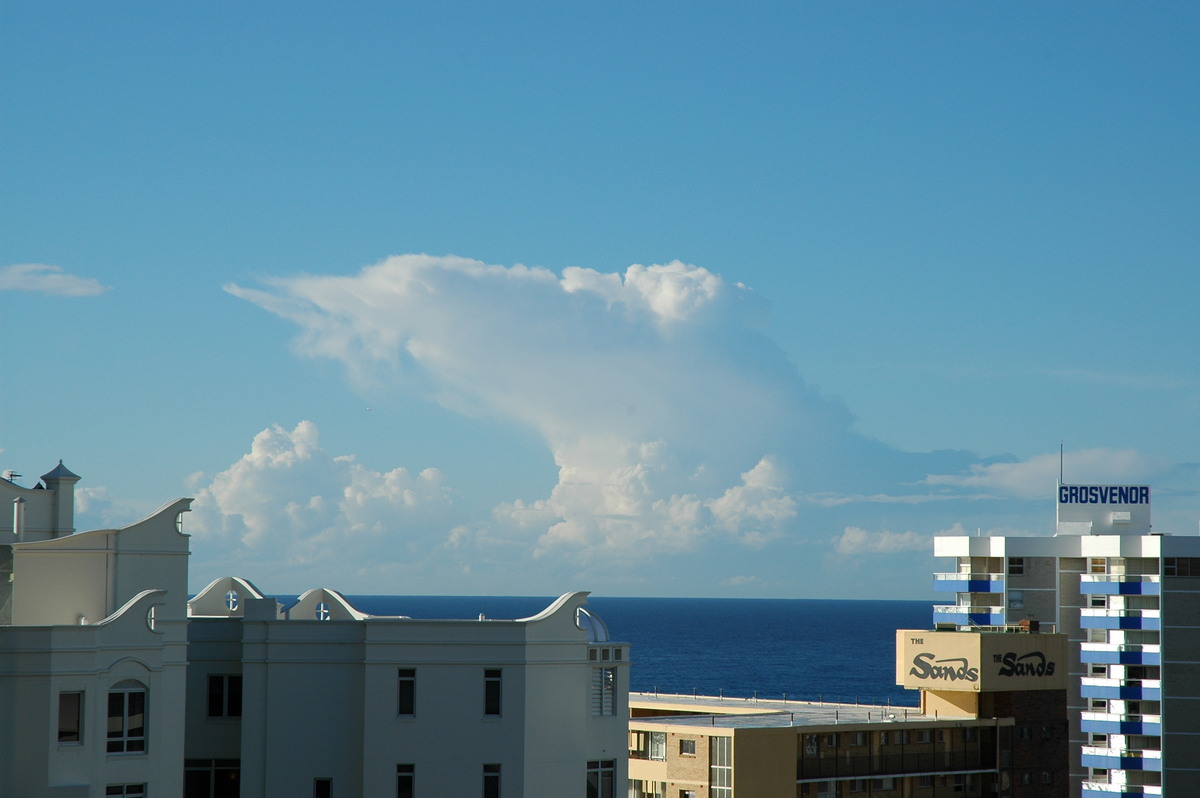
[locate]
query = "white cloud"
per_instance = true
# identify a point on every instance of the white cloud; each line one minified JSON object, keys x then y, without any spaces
{"x":855,"y":540}
{"x":46,"y":279}
{"x":287,"y":500}
{"x":670,"y":417}
{"x":1036,"y":477}
{"x":677,"y":428}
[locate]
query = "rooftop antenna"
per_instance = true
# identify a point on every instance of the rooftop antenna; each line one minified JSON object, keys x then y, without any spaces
{"x":11,"y":475}
{"x":1060,"y":462}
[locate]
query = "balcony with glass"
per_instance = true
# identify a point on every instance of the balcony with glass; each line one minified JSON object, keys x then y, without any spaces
{"x":1121,"y":689}
{"x":1104,"y":618}
{"x":1093,"y":789}
{"x":1120,"y":653}
{"x":1113,"y":723}
{"x":968,"y":583}
{"x":1120,"y":584}
{"x":966,"y":615}
{"x":1121,"y":759}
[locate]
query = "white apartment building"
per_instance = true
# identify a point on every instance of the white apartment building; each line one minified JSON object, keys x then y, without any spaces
{"x":113,"y":683}
{"x":1128,"y":600}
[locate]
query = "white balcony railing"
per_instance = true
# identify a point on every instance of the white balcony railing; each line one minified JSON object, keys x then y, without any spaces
{"x":1123,"y":789}
{"x":1124,"y":753}
{"x":1137,"y":648}
{"x":1120,"y":578}
{"x":1103,"y":612}
{"x":1114,"y":717}
{"x":1097,"y":681}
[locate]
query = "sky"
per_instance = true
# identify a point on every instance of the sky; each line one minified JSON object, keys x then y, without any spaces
{"x":480,"y":298}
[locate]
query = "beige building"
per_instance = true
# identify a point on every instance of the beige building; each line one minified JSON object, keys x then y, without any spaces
{"x":991,"y":721}
{"x":704,"y":747}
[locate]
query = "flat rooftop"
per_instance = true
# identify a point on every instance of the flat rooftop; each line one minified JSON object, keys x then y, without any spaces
{"x":734,"y":713}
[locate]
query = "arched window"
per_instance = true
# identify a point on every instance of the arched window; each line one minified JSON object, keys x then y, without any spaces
{"x":127,"y":718}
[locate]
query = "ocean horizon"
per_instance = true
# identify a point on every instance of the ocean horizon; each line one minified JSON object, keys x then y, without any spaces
{"x":832,"y":650}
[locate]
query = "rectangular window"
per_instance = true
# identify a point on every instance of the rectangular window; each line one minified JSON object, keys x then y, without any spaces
{"x":1098,"y":565}
{"x":1016,"y":566}
{"x":70,"y":717}
{"x":831,"y":741}
{"x":224,"y":696}
{"x":604,"y":691}
{"x":404,"y":780}
{"x":127,"y":721}
{"x":125,"y":791}
{"x":720,"y":767}
{"x":1016,"y":599}
{"x":687,"y":747}
{"x":658,"y":746}
{"x":212,"y":778}
{"x":406,"y":691}
{"x":902,"y":737}
{"x":925,"y":782}
{"x":491,"y":781}
{"x":883,"y":738}
{"x":601,"y":778}
{"x":491,"y":691}
{"x":923,"y":736}
{"x":1098,"y":600}
{"x":859,"y":739}
{"x":322,"y":788}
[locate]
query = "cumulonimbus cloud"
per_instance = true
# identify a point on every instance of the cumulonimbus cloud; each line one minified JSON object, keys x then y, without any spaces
{"x":671,"y":417}
{"x":46,"y":279}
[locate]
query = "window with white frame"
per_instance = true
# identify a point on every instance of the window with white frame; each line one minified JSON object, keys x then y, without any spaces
{"x":405,"y":777}
{"x":658,"y":746}
{"x":491,"y":781}
{"x":406,"y":691}
{"x":127,"y":718}
{"x":687,"y":747}
{"x":601,"y":778}
{"x":491,"y":691}
{"x":224,"y":696}
{"x":604,"y":691}
{"x":125,"y":791}
{"x":720,"y":767}
{"x":70,"y":717}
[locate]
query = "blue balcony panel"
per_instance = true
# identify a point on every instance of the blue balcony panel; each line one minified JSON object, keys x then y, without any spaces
{"x":1119,"y":762}
{"x":967,"y":586}
{"x":970,"y":618}
{"x":1153,"y":728}
{"x":1119,"y":588}
{"x":1151,"y":623}
{"x":1123,"y":692}
{"x":1111,"y":657}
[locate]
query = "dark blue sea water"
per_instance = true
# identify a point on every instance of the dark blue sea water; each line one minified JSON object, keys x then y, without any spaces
{"x":808,"y":649}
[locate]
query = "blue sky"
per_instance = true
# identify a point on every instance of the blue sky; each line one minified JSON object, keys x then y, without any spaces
{"x":523,"y":298}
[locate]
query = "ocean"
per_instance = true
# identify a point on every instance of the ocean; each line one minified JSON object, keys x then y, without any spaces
{"x":801,"y":649}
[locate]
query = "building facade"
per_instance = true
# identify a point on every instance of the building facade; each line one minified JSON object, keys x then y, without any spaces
{"x":113,"y":683}
{"x":707,"y":747}
{"x":322,"y":699}
{"x":1128,"y":601}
